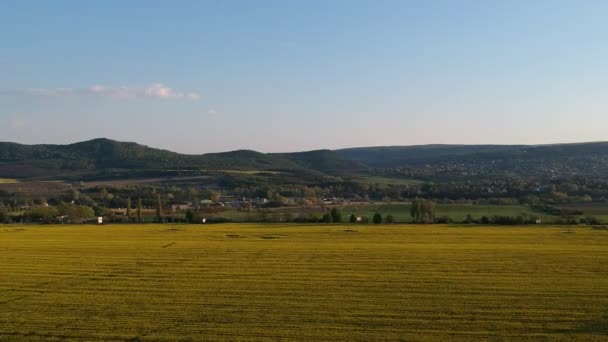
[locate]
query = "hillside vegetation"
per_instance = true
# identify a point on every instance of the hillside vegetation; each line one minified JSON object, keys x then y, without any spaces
{"x":101,"y":154}
{"x":423,"y":162}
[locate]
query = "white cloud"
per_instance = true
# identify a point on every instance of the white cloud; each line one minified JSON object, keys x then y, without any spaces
{"x":152,"y":91}
{"x":120,"y":93}
{"x":161,"y":91}
{"x":212,"y":111}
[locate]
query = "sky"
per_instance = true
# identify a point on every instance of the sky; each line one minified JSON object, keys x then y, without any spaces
{"x":277,"y":76}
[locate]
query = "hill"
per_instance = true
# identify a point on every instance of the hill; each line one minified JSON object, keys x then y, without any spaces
{"x":392,"y":156}
{"x":108,"y":158}
{"x":326,"y":161}
{"x":96,"y":155}
{"x":560,"y":160}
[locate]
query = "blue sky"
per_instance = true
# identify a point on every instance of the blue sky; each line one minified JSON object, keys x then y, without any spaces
{"x":205,"y":76}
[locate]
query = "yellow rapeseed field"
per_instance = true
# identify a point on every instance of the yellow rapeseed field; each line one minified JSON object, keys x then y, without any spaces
{"x":309,"y":283}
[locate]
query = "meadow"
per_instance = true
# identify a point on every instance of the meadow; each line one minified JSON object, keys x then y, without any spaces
{"x":597,"y":210}
{"x":456,"y":212}
{"x":399,"y":211}
{"x":302,"y":282}
{"x":391,"y":180}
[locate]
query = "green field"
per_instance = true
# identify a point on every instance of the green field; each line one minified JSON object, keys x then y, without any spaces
{"x":7,"y":181}
{"x":400,"y":212}
{"x":597,"y":210}
{"x":309,"y":283}
{"x":391,"y":180}
{"x":456,"y":212}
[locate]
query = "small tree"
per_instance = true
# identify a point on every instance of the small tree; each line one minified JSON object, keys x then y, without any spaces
{"x":140,"y":216}
{"x":189,"y":216}
{"x":377,"y":218}
{"x":73,"y":195}
{"x":326,"y":218}
{"x":214,"y":196}
{"x":336,"y":216}
{"x":429,"y":210}
{"x":159,"y":208}
{"x":103,"y":194}
{"x":128,"y":208}
{"x":193,"y":194}
{"x":353,"y":218}
{"x":4,"y":216}
{"x":390,"y":219}
{"x":43,"y":214}
{"x":423,"y":211}
{"x":415,"y":210}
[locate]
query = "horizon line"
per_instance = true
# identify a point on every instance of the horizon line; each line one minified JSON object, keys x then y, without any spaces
{"x":312,"y":150}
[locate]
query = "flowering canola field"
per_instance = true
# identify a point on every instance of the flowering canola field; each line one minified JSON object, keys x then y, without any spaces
{"x":302,"y":282}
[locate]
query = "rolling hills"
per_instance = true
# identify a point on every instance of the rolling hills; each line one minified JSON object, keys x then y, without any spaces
{"x":107,"y":158}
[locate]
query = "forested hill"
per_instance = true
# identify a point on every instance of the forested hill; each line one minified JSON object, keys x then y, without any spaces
{"x":22,"y":161}
{"x":101,"y":154}
{"x":554,"y":161}
{"x":392,"y":156}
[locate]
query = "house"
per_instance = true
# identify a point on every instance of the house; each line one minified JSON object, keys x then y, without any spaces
{"x":179,"y":206}
{"x":227,"y":199}
{"x":206,"y":202}
{"x":259,"y":201}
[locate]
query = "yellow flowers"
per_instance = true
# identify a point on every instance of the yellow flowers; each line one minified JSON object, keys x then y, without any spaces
{"x":291,"y":282}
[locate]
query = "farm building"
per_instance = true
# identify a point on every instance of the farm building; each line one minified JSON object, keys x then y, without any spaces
{"x":206,"y":202}
{"x":178,"y":206}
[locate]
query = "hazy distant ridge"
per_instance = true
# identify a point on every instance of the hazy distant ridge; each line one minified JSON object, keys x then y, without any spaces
{"x":102,"y":154}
